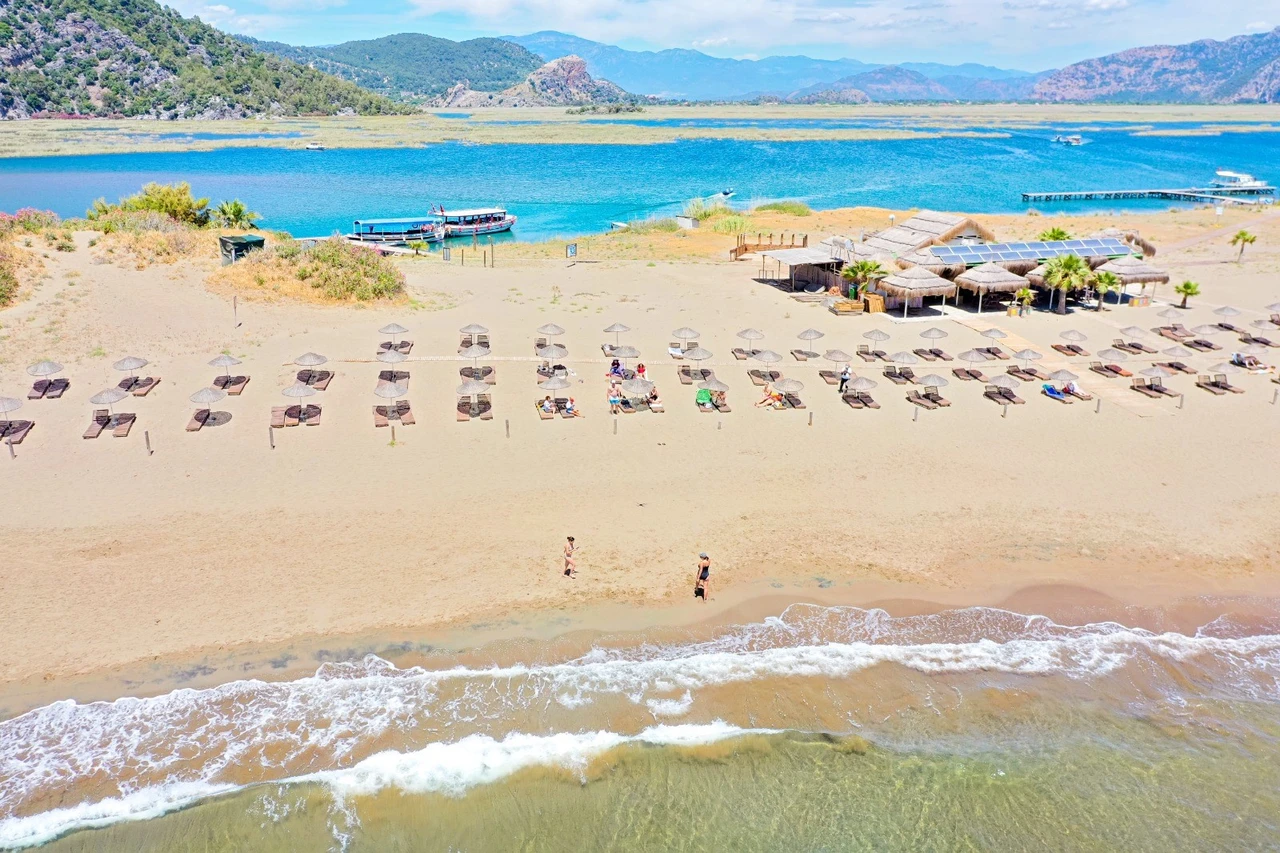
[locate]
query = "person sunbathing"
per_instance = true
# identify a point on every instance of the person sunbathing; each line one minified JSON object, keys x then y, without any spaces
{"x":571,"y":408}
{"x":653,"y":396}
{"x":717,"y":398}
{"x":549,"y":406}
{"x":1248,"y":362}
{"x":770,"y":398}
{"x":615,"y":369}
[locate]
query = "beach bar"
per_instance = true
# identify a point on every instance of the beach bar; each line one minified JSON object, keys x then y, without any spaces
{"x":807,"y":268}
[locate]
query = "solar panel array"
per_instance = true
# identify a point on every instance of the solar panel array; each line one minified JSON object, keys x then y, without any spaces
{"x":1042,"y":251}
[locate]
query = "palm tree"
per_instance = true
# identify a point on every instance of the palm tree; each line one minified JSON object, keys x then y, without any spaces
{"x":233,"y":214}
{"x":1024,"y":295}
{"x":860,"y":273}
{"x":1066,"y":273}
{"x":1186,"y":289}
{"x":1054,"y":233}
{"x":1104,"y":283}
{"x":1242,"y":238}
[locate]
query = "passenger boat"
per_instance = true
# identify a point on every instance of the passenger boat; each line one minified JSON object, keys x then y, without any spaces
{"x":1239,"y":181}
{"x":314,"y":146}
{"x":413,"y":229}
{"x":1072,"y":139}
{"x":482,"y":220}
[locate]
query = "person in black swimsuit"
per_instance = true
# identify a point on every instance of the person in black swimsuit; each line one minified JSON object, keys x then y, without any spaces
{"x":702,"y":580}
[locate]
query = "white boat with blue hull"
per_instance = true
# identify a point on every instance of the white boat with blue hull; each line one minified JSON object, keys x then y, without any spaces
{"x":482,"y":220}
{"x":398,"y":231}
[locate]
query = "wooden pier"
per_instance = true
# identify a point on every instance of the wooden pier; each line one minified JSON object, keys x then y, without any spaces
{"x":1216,"y":195}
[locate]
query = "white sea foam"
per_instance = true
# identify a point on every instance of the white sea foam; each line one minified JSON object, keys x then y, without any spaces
{"x":271,"y":731}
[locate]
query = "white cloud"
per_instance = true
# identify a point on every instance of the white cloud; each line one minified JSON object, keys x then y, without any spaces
{"x":703,"y":44}
{"x":1257,"y":27}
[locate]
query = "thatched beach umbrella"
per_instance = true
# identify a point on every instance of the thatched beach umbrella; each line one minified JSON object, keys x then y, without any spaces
{"x":1227,"y":311}
{"x":838,"y":356}
{"x":310,"y":359}
{"x":551,"y":330}
{"x":391,"y":392}
{"x":226,"y":362}
{"x":1264,"y":325}
{"x":1156,"y":372}
{"x":299,"y":391}
{"x":637,"y":387}
{"x":1063,"y":376}
{"x":989,"y":278}
{"x":933,"y":333}
{"x":788,"y":386}
{"x":933,"y":380}
{"x":1254,"y":349}
{"x":714,"y":385}
{"x":1131,"y":270}
{"x":903,"y":358}
{"x":1226,"y":367}
{"x":7,"y":405}
{"x":554,"y":383}
{"x":473,"y":329}
{"x":809,"y":336}
{"x":627,"y":352}
{"x":109,"y":397}
{"x":1113,"y":355}
{"x":876,"y":335}
{"x":132,"y":364}
{"x":395,"y":330}
{"x":1206,"y":330}
{"x":208,"y":396}
{"x":1133,"y":331}
{"x":616,"y":329}
{"x":44,"y":369}
{"x":1174,"y":352}
{"x":994,"y":334}
{"x":1004,"y":380}
{"x":1027,"y":355}
{"x":554,"y":352}
{"x":973,"y":356}
{"x":767,"y":357}
{"x":684,"y":333}
{"x":699,"y":354}
{"x":1073,"y":336}
{"x":862,"y":383}
{"x":751,"y":335}
{"x":1170,"y":313}
{"x":915,"y":281}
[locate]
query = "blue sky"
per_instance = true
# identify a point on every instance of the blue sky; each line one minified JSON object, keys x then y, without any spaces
{"x":1028,"y":34}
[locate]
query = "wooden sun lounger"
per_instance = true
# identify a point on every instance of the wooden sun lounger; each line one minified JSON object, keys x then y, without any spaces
{"x":933,"y":396}
{"x":1206,"y":382}
{"x":1079,"y":395}
{"x":145,"y":386}
{"x":312,"y":415}
{"x":1034,"y":373}
{"x":1140,"y":385}
{"x":1069,"y":349}
{"x":124,"y":423}
{"x":404,"y":412}
{"x":1220,"y":381}
{"x":760,"y":378}
{"x":538,"y":343}
{"x":38,"y":389}
{"x":1245,"y":339}
{"x":562,"y":407}
{"x":1175,"y":366}
{"x":908,"y":374}
{"x":402,"y":346}
{"x":801,"y":354}
{"x":675,"y":350}
{"x":927,"y":355}
{"x":1141,"y":347}
{"x":101,"y":417}
{"x":484,"y":405}
{"x":829,"y":376}
{"x":278,"y":416}
{"x":197,"y":420}
{"x":940,"y":354}
{"x":57,"y":387}
{"x":891,"y":373}
{"x":721,"y":407}
{"x":688,"y":375}
{"x":1201,"y":345}
{"x":127,"y":383}
{"x":1119,"y":371}
{"x":1103,"y":370}
{"x":1020,"y":373}
{"x":851,"y":399}
{"x":992,"y":393}
{"x":1227,"y":327}
{"x":1159,"y":387}
{"x":233,"y":385}
{"x":915,"y":397}
{"x":317,"y":379}
{"x":16,"y":431}
{"x":793,"y":401}
{"x":628,"y":408}
{"x":464,"y":409}
{"x":543,"y":414}
{"x":743,"y":354}
{"x":380,"y":417}
{"x":865,"y":353}
{"x":961,"y":373}
{"x":1119,"y":344}
{"x":995,"y":352}
{"x":1008,"y":394}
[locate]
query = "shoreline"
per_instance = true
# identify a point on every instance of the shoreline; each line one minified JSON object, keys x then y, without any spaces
{"x":552,"y":125}
{"x":547,"y":634}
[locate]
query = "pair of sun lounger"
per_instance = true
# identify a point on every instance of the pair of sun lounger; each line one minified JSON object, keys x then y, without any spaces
{"x":393,"y":377}
{"x":139,"y":387}
{"x":1132,"y":347}
{"x":1027,"y":374}
{"x":859,"y":400}
{"x":1110,"y":371}
{"x":966,"y":374}
{"x":484,"y":374}
{"x":1175,"y":366}
{"x":1070,"y":349}
{"x":760,"y":378}
{"x":120,"y":425}
{"x":1003,"y":396}
{"x":932,"y":354}
{"x":1201,"y":345}
{"x":743,"y":354}
{"x":401,"y":411}
{"x":1217,"y":384}
{"x":317,"y":379}
{"x":1154,"y":389}
{"x":689,"y":375}
{"x":900,"y":376}
{"x":291,"y":416}
{"x":1176,"y":332}
{"x":867,"y":354}
{"x":233,"y":385}
{"x":48,"y":389}
{"x":480,"y":409}
{"x":928,"y":399}
{"x":465,"y":341}
{"x":1259,"y":341}
{"x":399,"y":346}
{"x":677,"y":350}
{"x":561,"y":408}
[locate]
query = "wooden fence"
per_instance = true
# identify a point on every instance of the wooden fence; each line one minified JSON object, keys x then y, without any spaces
{"x":764,"y":242}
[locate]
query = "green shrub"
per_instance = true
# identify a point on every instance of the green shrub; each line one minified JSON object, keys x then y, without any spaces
{"x":791,"y":208}
{"x":172,"y":200}
{"x":345,"y":271}
{"x":649,"y":226}
{"x":700,"y":210}
{"x":734,"y":223}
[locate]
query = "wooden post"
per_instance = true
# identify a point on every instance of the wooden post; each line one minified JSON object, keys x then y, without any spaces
{"x":463,"y":254}
{"x":615,"y":424}
{"x":146,"y":434}
{"x":12,"y":455}
{"x":508,"y":427}
{"x":271,"y":436}
{"x":393,"y":433}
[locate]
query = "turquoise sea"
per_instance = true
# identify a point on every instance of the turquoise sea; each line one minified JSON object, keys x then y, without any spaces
{"x":567,"y":190}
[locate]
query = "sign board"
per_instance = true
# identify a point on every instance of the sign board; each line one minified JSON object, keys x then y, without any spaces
{"x":445,"y":251}
{"x":1218,"y":210}
{"x":571,"y":250}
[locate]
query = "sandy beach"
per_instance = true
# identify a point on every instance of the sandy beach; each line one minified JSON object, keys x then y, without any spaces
{"x":216,"y":543}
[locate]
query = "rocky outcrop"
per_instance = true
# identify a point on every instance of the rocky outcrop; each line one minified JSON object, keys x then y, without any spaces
{"x":1240,"y":69}
{"x":562,"y":82}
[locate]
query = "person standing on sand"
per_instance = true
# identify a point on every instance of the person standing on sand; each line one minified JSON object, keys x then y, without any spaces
{"x":570,"y":564}
{"x":845,"y":376}
{"x":702,"y":579}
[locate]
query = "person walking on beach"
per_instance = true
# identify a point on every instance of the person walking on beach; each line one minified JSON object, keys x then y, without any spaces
{"x":570,"y":564}
{"x":702,"y":579}
{"x":845,"y":375}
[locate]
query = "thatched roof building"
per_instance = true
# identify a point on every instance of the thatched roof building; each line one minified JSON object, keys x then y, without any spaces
{"x":925,"y":228}
{"x":1036,"y":276}
{"x":1132,"y":237}
{"x":990,"y":278}
{"x":1132,"y":270}
{"x":915,"y":281}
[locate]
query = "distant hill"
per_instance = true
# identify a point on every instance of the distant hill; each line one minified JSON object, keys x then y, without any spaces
{"x":1240,"y":69}
{"x":560,"y":83}
{"x":413,"y":65}
{"x":138,"y":58}
{"x":690,"y":74}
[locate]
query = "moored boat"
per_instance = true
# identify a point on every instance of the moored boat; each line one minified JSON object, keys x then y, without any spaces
{"x":1240,"y":181}
{"x":398,"y":231}
{"x":482,"y":220}
{"x":1071,"y":139}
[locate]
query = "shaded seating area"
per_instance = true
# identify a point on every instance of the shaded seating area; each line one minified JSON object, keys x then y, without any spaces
{"x":988,"y":278}
{"x":1131,"y":270}
{"x":912,"y":286}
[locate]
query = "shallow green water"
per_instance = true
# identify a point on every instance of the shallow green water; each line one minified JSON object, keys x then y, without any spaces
{"x":1054,"y":778}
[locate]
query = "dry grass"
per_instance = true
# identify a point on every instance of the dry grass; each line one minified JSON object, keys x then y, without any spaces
{"x":141,"y":249}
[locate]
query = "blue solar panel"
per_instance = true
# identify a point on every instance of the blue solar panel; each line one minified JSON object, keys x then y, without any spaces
{"x":1037,"y":251}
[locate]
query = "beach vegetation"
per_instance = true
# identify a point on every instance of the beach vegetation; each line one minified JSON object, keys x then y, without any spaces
{"x":860,"y":273}
{"x":332,"y":270}
{"x":1104,"y":283}
{"x":702,"y":210}
{"x":234,"y":214}
{"x":8,"y":277}
{"x":28,"y":220}
{"x":1054,"y":233}
{"x":1024,"y":296}
{"x":734,"y":223}
{"x":172,"y":200}
{"x":666,"y":225}
{"x":1242,"y":238}
{"x":1066,"y":273}
{"x":790,"y":208}
{"x":1186,"y":290}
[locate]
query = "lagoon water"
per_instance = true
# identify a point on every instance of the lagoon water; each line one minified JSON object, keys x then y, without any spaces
{"x":826,"y":728}
{"x":566,"y":190}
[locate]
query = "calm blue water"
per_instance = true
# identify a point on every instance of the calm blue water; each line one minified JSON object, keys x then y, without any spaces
{"x":565,"y":190}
